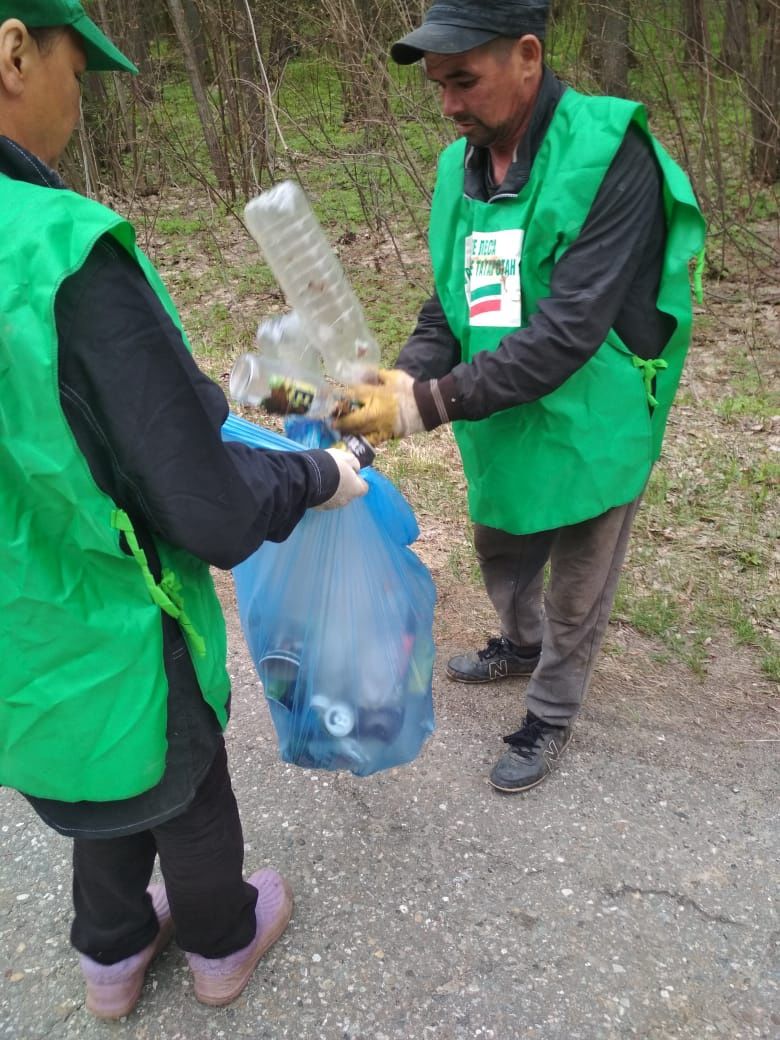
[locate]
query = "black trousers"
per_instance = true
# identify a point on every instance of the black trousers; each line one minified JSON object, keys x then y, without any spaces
{"x":201,"y":858}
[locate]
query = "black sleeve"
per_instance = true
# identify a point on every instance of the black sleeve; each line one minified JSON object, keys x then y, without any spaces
{"x":432,"y":350}
{"x":148,"y":422}
{"x":608,"y":277}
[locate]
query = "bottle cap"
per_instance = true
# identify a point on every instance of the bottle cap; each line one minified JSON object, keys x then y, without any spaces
{"x":338,"y":717}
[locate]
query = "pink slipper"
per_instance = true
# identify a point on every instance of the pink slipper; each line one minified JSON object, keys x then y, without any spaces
{"x":218,"y":981}
{"x":113,"y":989}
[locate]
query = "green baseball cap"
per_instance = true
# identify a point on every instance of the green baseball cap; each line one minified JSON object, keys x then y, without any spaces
{"x":102,"y":55}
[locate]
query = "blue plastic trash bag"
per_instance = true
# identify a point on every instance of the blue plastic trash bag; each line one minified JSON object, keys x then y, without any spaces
{"x":339,"y":619}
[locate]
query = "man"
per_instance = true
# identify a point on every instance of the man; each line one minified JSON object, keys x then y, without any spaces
{"x":116,"y":493}
{"x":560,"y":237}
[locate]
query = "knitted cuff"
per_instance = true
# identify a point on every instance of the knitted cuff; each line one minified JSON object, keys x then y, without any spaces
{"x":437,"y":401}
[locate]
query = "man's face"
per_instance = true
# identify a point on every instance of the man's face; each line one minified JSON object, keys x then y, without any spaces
{"x":53,"y":96}
{"x":488,"y":92}
{"x":40,"y":88}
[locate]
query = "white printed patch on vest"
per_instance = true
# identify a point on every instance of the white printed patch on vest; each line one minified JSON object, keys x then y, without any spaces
{"x":493,"y":278}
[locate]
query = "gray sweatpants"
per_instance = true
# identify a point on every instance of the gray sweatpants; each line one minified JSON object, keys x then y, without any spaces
{"x":569,"y":619}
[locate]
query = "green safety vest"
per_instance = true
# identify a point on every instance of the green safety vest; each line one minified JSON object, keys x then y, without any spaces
{"x":590,"y":444}
{"x":83,"y":690}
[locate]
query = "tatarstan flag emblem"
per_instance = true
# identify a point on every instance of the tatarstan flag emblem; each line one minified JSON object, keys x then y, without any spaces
{"x":486,"y":298}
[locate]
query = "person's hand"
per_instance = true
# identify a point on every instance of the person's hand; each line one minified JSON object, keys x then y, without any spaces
{"x":387,"y":408}
{"x":350,"y":484}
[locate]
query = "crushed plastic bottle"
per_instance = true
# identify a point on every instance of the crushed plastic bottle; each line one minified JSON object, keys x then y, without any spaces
{"x":284,"y":375}
{"x":284,"y":226}
{"x":253,"y":380}
{"x":283,"y":341}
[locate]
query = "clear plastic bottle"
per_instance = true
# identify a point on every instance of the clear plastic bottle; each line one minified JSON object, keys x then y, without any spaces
{"x":254,"y":380}
{"x":284,"y":226}
{"x":285,"y":374}
{"x":283,"y":340}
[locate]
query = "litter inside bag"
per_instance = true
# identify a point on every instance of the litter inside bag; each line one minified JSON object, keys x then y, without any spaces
{"x":338,"y":619}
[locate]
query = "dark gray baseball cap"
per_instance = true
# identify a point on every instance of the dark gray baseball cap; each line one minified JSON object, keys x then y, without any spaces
{"x":454,"y":26}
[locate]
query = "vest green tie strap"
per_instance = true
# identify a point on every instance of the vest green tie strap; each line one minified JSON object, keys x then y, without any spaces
{"x":167,"y":594}
{"x":698,"y":274}
{"x":650,"y":368}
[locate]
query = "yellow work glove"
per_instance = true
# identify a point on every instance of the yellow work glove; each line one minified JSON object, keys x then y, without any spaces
{"x":387,"y":408}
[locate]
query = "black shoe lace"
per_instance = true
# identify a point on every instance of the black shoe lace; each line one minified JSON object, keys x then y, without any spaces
{"x":495,"y":646}
{"x":524,"y":739}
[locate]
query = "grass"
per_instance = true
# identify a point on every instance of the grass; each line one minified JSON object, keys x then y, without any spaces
{"x":426,"y":478}
{"x":702,"y":563}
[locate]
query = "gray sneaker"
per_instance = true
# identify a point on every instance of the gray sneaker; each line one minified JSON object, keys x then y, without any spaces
{"x":499,"y":660}
{"x":534,"y":751}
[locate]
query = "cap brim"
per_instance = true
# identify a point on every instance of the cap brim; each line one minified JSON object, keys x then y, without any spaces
{"x":436,"y":38}
{"x":102,"y":55}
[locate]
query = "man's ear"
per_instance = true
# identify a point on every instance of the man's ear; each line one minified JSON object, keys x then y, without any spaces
{"x":16,"y":47}
{"x":530,"y":48}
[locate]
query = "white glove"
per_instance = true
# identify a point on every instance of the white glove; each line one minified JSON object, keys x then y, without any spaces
{"x":351,"y":485}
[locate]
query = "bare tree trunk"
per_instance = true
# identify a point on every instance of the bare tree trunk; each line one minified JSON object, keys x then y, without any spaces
{"x":197,"y":35}
{"x":102,"y":141}
{"x":122,"y":90}
{"x":249,"y":94}
{"x":270,"y":43}
{"x":765,"y":97}
{"x":695,"y":28}
{"x":118,"y":107}
{"x":698,"y":50}
{"x":216,"y":152}
{"x":136,"y":32}
{"x":284,"y":44}
{"x":108,"y":124}
{"x":736,"y":36}
{"x":362,"y":72}
{"x":78,"y":165}
{"x":135,"y":28}
{"x":606,"y":44}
